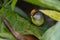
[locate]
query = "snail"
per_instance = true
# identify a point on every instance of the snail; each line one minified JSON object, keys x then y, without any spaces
{"x":17,"y":35}
{"x":37,"y":17}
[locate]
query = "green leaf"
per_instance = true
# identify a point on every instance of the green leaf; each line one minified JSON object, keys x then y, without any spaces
{"x":51,"y":4}
{"x":20,"y":12}
{"x":18,"y":23}
{"x":13,"y":4}
{"x":6,"y":36}
{"x":52,"y":33}
{"x":7,"y":3}
{"x":0,"y":3}
{"x":52,"y":14}
{"x":4,"y":2}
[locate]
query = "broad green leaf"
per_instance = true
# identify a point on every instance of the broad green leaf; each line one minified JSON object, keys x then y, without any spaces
{"x":13,"y":4}
{"x":52,"y":14}
{"x":18,"y":23}
{"x":52,"y":33}
{"x":51,"y":4}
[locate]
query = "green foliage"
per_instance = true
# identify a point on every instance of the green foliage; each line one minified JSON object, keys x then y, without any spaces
{"x":21,"y":22}
{"x":6,"y":36}
{"x":52,"y":33}
{"x":18,"y":23}
{"x":51,"y":4}
{"x":52,"y":14}
{"x":13,"y":4}
{"x":6,"y":3}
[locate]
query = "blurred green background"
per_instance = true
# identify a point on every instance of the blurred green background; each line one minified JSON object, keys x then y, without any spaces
{"x":17,"y":12}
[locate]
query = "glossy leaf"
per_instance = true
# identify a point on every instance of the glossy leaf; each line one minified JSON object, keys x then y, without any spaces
{"x":51,"y":4}
{"x":52,"y":14}
{"x":52,"y":33}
